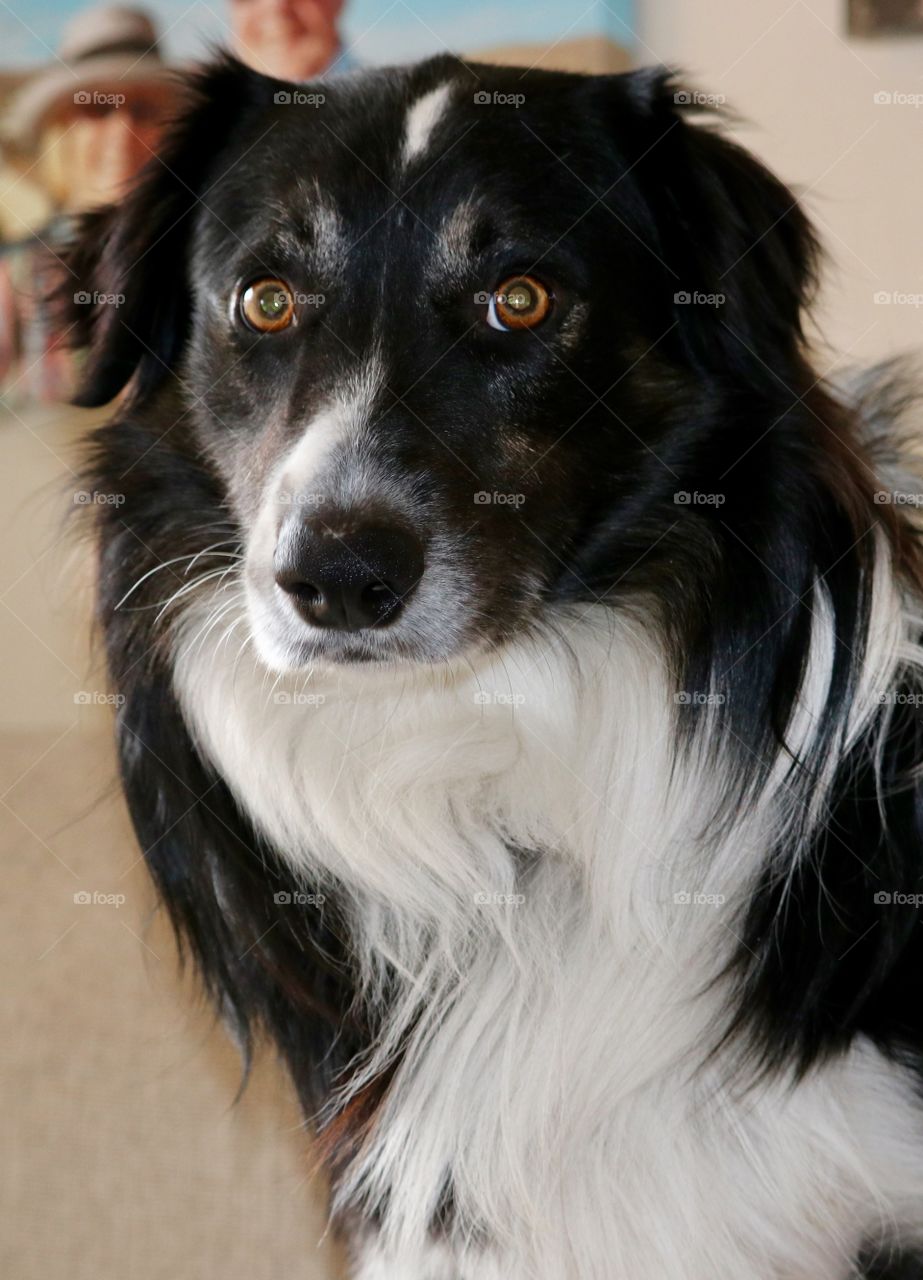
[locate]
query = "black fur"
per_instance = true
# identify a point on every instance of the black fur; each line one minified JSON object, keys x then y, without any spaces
{"x":885,"y":1265}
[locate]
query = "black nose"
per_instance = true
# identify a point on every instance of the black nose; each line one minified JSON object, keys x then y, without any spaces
{"x":352,"y":579}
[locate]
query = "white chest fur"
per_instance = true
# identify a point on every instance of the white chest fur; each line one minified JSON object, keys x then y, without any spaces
{"x":521,"y":850}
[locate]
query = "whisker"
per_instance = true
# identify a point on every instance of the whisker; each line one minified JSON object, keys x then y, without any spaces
{"x":211,"y":551}
{"x":191,"y":586}
{"x":192,"y":555}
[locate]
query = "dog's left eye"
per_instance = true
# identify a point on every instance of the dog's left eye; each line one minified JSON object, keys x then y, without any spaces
{"x":521,"y":302}
{"x":267,"y":305}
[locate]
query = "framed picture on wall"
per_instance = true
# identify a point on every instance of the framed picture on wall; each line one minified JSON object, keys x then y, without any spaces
{"x":885,"y":17}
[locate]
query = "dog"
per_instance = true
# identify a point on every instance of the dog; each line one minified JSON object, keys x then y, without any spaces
{"x":518,"y":649}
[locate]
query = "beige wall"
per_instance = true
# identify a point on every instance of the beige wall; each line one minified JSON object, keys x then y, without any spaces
{"x":809,"y":92}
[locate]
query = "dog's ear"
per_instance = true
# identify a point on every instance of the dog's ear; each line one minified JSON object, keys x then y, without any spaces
{"x":120,"y":286}
{"x":739,"y":255}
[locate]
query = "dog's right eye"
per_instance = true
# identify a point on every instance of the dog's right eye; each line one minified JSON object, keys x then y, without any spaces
{"x":520,"y":302}
{"x":267,"y":305}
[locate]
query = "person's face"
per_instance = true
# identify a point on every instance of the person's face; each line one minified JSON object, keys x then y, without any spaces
{"x":102,"y":139}
{"x":291,"y":39}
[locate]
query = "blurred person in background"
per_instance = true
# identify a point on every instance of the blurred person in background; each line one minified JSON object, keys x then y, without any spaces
{"x":82,"y":128}
{"x":289,"y":39}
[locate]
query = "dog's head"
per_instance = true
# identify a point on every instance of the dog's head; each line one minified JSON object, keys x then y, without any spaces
{"x":446,"y":339}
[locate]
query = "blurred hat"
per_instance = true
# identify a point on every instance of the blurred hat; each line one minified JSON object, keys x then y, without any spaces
{"x":101,"y":46}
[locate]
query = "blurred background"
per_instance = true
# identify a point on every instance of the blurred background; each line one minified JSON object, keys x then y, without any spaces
{"x":125,"y":1157}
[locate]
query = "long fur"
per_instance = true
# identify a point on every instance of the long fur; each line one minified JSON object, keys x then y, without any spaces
{"x":568,"y":919}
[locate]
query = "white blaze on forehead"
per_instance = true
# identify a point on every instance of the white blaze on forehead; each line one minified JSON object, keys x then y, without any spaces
{"x":422,"y":119}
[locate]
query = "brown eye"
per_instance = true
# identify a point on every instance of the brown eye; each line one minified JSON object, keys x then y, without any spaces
{"x":268,"y":305}
{"x":521,"y":302}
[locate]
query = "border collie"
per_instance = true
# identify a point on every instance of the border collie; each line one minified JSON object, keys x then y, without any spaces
{"x":519,"y":646}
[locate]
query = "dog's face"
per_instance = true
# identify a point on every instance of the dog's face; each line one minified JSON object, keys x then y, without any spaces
{"x":442,"y":337}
